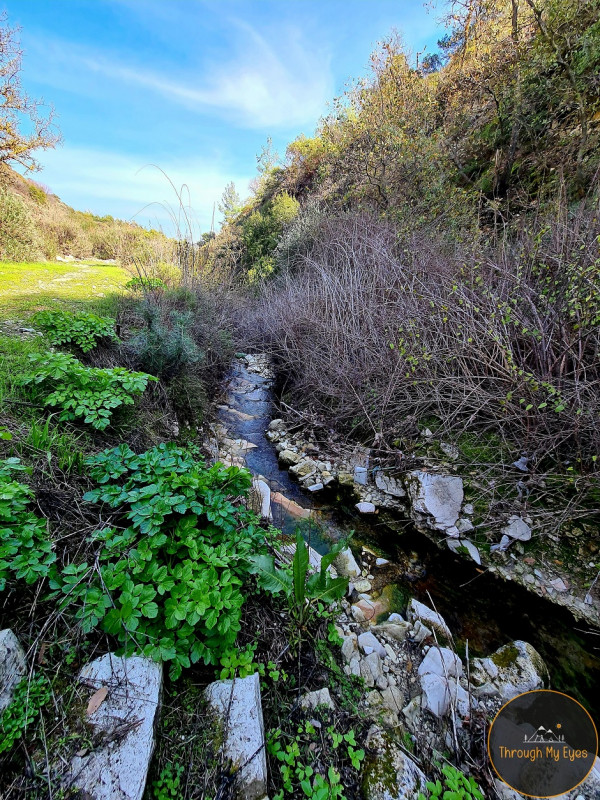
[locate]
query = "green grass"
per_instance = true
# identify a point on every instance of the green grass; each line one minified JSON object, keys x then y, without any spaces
{"x":27,"y":288}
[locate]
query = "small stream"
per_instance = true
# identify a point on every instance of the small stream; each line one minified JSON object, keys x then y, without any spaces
{"x":479,"y":607}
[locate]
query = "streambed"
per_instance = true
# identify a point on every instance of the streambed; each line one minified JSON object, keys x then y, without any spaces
{"x":480,"y":608}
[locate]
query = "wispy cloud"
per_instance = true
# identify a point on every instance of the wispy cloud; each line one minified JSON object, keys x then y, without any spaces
{"x":261,"y":85}
{"x":105,"y":182}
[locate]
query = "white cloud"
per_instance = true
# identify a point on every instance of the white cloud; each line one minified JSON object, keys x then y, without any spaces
{"x":109,"y":183}
{"x":261,"y":85}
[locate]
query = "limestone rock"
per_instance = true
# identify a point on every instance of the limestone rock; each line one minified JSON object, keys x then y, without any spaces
{"x":389,"y":485}
{"x":395,"y":630}
{"x":458,"y":545}
{"x":349,"y":647}
{"x":260,"y":499}
{"x":419,"y":611}
{"x":288,"y":457}
{"x":520,"y":668}
{"x":517,"y":528}
{"x":13,"y":666}
{"x":244,"y":732}
{"x":360,"y":476}
{"x":389,"y":774}
{"x":365,"y":508}
{"x":436,"y":694}
{"x":441,"y":661}
{"x":303,"y":469}
{"x":346,"y":565}
{"x":368,"y":640}
{"x":320,"y":697}
{"x":370,"y":669}
{"x":435,"y":498}
{"x":118,"y":770}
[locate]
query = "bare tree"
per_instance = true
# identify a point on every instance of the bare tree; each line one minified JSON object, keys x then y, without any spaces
{"x":26,"y":125}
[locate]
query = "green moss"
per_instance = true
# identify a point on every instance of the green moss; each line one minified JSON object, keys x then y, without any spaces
{"x":506,"y":656}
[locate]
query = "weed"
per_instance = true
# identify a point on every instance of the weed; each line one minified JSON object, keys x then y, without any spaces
{"x":84,"y":330}
{"x":89,"y":393}
{"x":29,"y":698}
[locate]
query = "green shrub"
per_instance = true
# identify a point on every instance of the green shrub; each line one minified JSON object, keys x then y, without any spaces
{"x":165,"y":347}
{"x":84,"y":330}
{"x":170,"y":578}
{"x":29,"y":698}
{"x":25,"y":550}
{"x":88,"y":393}
{"x":145,"y":284}
{"x":37,"y":193}
{"x":18,"y":235}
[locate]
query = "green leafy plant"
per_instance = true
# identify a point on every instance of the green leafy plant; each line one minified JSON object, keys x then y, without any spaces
{"x":306,"y":594}
{"x":169,"y":582}
{"x":29,"y":698}
{"x":456,"y":786}
{"x":25,"y":549}
{"x":84,"y":330}
{"x":168,"y":784}
{"x":237,"y":662}
{"x":144,"y":283}
{"x":296,"y":758}
{"x":88,"y":393}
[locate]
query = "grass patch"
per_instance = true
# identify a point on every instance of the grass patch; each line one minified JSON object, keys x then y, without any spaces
{"x":31,"y":287}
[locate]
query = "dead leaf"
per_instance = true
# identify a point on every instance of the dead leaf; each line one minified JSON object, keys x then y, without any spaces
{"x":96,"y":700}
{"x":41,"y":659}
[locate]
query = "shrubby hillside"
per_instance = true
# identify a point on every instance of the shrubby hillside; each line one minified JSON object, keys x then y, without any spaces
{"x":36,"y":224}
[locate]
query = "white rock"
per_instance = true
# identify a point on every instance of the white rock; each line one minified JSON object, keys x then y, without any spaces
{"x":370,"y":669}
{"x":419,"y":611}
{"x":435,"y":497}
{"x":362,"y":586}
{"x":365,"y":508}
{"x":421,"y":632}
{"x":450,"y":450}
{"x":393,"y":699}
{"x":277,"y":425}
{"x":381,"y":562}
{"x":263,"y":494}
{"x":360,"y":476}
{"x":320,"y":697}
{"x":517,"y":528}
{"x":13,"y":666}
{"x":520,"y":669}
{"x":412,"y":714}
{"x":391,"y":774}
{"x":118,"y":770}
{"x":464,"y":525}
{"x":349,"y":647}
{"x":244,"y":733}
{"x":456,"y":544}
{"x":395,"y":617}
{"x":441,"y":661}
{"x":316,"y":487}
{"x":368,"y":640}
{"x":468,"y":508}
{"x":436,"y":694}
{"x":346,"y":565}
{"x":389,"y":485}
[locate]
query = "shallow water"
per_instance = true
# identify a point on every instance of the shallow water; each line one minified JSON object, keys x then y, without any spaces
{"x":483,"y":611}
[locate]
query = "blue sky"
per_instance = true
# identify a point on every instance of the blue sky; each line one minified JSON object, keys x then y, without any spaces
{"x":193,"y":86}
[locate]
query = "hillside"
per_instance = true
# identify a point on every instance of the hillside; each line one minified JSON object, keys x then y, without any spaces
{"x":35,"y":224}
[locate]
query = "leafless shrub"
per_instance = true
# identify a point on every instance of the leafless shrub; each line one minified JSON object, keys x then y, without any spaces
{"x":375,"y":330}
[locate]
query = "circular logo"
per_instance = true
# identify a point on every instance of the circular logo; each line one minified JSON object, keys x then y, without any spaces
{"x":542,"y":743}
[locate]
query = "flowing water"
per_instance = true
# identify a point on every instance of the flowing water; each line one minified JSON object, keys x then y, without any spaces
{"x":480,"y":608}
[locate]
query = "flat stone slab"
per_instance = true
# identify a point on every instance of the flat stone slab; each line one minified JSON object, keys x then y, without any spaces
{"x":419,"y":611}
{"x":438,"y":498}
{"x":13,"y":666}
{"x":125,"y":722}
{"x":238,"y":709}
